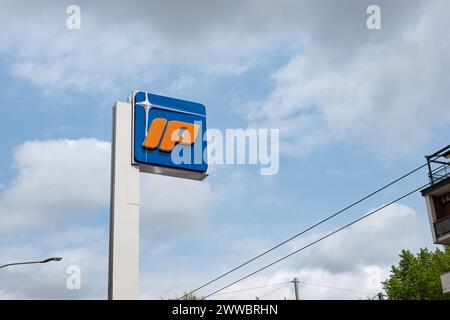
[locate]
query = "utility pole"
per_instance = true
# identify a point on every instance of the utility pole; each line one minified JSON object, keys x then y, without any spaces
{"x":380,"y":296}
{"x":296,"y":282}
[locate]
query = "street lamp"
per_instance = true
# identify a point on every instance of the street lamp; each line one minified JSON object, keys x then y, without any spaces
{"x":57,"y":259}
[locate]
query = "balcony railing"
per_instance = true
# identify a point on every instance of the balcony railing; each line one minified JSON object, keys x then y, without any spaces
{"x":442,"y":227}
{"x":440,"y":173}
{"x":439,"y":165}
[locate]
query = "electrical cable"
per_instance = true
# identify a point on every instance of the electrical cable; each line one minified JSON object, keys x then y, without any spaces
{"x":272,"y":291}
{"x":343,"y":289}
{"x":318,"y":240}
{"x":254,"y":288}
{"x":305,"y":230}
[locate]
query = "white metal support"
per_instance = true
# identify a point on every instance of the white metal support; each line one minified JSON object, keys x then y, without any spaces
{"x":445,"y":281}
{"x":123,"y":277}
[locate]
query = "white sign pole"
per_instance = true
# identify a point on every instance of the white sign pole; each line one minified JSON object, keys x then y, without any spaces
{"x":123,"y":277}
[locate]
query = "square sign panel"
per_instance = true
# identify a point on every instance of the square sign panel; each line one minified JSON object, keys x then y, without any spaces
{"x":168,"y":135}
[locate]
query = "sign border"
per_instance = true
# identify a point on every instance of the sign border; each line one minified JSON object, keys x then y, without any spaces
{"x":155,"y":169}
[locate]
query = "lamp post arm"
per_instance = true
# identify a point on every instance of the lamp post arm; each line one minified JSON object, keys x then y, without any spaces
{"x":18,"y":263}
{"x":57,"y":259}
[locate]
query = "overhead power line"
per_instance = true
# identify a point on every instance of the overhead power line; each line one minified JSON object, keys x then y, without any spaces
{"x":318,"y":240}
{"x":305,"y":230}
{"x":337,"y":288}
{"x":275,"y":290}
{"x":254,"y":288}
{"x":286,"y":283}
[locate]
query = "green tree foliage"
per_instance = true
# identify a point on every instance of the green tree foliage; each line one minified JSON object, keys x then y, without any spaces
{"x":417,"y":277}
{"x":185,"y":296}
{"x":190,"y":296}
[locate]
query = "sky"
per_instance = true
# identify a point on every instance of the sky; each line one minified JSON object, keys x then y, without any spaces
{"x":356,"y":108}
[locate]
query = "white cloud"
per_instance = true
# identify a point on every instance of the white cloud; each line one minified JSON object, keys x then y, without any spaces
{"x":182,"y":84}
{"x":140,"y":41}
{"x":102,"y":55}
{"x":373,"y":89}
{"x":59,"y":187}
{"x":59,"y":180}
{"x":342,"y":84}
{"x":388,"y":96}
{"x":315,"y":284}
{"x":173,"y":205}
{"x":377,"y":240}
{"x":340,"y":261}
{"x":85,"y":247}
{"x":51,"y":185}
{"x":356,"y":259}
{"x":73,"y":60}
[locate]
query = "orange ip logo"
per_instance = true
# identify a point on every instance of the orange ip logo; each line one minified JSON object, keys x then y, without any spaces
{"x":167,"y":135}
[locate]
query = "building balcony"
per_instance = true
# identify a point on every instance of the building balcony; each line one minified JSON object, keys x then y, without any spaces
{"x":437,"y":195}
